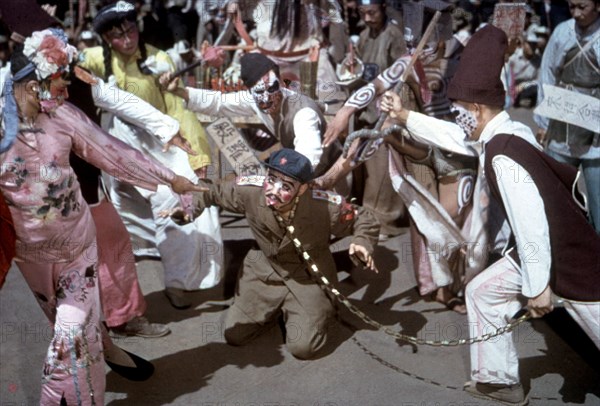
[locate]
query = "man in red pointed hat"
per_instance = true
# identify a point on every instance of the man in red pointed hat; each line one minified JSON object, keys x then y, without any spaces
{"x":529,"y":211}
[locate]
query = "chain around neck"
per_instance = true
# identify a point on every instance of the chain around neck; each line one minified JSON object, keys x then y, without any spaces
{"x":283,"y":222}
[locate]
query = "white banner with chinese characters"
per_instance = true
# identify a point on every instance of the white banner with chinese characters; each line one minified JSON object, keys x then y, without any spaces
{"x":570,"y":107}
{"x":233,"y":146}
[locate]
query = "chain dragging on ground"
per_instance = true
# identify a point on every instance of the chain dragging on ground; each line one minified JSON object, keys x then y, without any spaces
{"x":328,"y":286}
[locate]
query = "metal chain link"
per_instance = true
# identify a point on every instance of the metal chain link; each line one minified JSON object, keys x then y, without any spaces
{"x":327,"y":285}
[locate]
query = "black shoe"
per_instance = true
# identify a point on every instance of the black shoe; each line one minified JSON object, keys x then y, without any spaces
{"x":177,"y":299}
{"x":142,"y":371}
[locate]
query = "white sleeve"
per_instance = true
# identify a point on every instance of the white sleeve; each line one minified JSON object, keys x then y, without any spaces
{"x":552,"y":61}
{"x":439,"y":133}
{"x":307,"y":136}
{"x":215,"y":103}
{"x":527,"y":217}
{"x":134,"y":110}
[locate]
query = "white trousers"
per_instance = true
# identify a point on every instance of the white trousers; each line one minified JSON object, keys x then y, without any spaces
{"x":192,"y":255}
{"x":493,"y":297}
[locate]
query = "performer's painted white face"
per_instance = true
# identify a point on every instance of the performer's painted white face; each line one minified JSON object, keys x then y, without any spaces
{"x":465,"y":119}
{"x":267,"y":93}
{"x":280,"y":190}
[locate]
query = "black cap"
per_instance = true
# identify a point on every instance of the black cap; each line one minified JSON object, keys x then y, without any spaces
{"x":254,"y":67}
{"x":291,"y":163}
{"x":111,"y":15}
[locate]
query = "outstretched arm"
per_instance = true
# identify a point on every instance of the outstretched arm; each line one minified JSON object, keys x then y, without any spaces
{"x":341,"y":168}
{"x":363,"y":97}
{"x":116,"y":158}
{"x":135,"y":111}
{"x":171,"y":84}
{"x":427,"y":130}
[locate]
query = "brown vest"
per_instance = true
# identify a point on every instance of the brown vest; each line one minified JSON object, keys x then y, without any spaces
{"x":286,"y":135}
{"x":575,"y":246}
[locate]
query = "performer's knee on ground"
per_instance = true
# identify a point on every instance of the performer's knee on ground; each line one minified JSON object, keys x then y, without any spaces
{"x":304,"y":343}
{"x":302,"y":350}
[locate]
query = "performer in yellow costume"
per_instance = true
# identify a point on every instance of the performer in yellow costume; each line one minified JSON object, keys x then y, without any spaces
{"x":191,"y":256}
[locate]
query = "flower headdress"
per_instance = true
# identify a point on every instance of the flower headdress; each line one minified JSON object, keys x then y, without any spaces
{"x":50,"y":52}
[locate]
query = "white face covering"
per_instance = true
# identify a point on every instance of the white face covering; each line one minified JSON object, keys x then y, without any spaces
{"x":465,"y":119}
{"x":267,"y":92}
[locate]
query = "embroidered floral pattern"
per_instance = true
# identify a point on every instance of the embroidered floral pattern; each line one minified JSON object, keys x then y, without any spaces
{"x":70,"y":352}
{"x":20,"y":171}
{"x":75,"y":284}
{"x":65,"y":202}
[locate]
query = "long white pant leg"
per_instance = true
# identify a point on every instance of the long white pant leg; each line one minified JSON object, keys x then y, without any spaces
{"x":135,"y":211}
{"x":191,"y":254}
{"x":179,"y":252}
{"x":587,"y":315}
{"x":492,"y":299}
{"x":208,"y":236}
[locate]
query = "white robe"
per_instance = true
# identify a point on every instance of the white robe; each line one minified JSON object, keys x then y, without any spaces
{"x":192,"y":255}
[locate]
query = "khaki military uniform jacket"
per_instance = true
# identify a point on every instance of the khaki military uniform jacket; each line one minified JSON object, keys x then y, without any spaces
{"x":316,"y":219}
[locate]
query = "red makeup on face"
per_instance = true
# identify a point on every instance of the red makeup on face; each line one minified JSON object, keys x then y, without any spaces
{"x":124,"y":39}
{"x":58,"y":89}
{"x":280,"y":190}
{"x":58,"y":93}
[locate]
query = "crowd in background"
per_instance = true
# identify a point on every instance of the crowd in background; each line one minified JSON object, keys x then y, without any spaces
{"x":180,"y":26}
{"x":311,"y":72}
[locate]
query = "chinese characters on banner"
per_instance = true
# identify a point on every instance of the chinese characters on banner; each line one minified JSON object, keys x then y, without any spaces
{"x":570,"y":107}
{"x":233,"y":146}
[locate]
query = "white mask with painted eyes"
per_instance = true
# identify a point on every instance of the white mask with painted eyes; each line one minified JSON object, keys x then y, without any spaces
{"x":465,"y":119}
{"x":266,"y":92}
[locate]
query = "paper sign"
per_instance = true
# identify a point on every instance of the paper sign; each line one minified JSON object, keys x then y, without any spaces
{"x":570,"y":107}
{"x":510,"y":18}
{"x":233,"y":146}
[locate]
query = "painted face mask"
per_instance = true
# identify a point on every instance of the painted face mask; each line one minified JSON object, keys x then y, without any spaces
{"x":465,"y":119}
{"x":279,"y":190}
{"x":53,"y":95}
{"x":48,"y":104}
{"x":267,"y":93}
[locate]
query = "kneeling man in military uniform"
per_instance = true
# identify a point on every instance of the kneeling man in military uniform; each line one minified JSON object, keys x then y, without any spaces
{"x":276,"y":278}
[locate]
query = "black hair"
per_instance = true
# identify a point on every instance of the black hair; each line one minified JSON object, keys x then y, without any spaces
{"x":287,"y":19}
{"x":18,"y":61}
{"x":107,"y":52}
